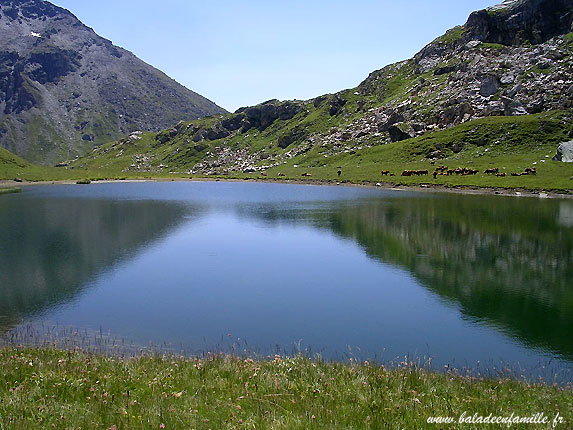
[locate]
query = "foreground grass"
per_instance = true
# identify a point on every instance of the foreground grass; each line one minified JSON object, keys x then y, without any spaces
{"x":45,"y":388}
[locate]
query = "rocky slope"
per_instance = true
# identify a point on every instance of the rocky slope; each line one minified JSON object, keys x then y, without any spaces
{"x":511,"y":60}
{"x":64,"y":89}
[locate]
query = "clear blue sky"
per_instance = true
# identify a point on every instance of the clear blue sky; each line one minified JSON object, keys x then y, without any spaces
{"x":240,"y":53}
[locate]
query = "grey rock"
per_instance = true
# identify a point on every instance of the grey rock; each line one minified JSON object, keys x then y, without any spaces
{"x":294,"y":135}
{"x":516,"y":21}
{"x":166,"y":135}
{"x":489,"y":86}
{"x":263,"y":115}
{"x":234,"y":122}
{"x":473,"y":44}
{"x":514,"y":107}
{"x":513,"y":91}
{"x":565,"y":152}
{"x":494,"y":108}
{"x":336,"y":105}
{"x":395,"y":117}
{"x":217,"y":132}
{"x":401,"y":131}
{"x":436,"y":155}
{"x":508,"y":78}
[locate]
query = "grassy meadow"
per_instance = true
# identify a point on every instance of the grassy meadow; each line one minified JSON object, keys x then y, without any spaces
{"x":56,"y":389}
{"x":510,"y":144}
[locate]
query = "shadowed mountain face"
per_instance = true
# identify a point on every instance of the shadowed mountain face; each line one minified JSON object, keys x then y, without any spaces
{"x":64,"y":89}
{"x":507,"y":263}
{"x":62,"y":245}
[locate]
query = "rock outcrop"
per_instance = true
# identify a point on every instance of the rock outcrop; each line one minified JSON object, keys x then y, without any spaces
{"x":565,"y":152}
{"x":515,"y":22}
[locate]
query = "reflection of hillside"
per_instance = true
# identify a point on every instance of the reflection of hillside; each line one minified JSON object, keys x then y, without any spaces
{"x":49,"y":249}
{"x":506,"y":262}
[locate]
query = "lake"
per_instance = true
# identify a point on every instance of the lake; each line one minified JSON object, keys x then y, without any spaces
{"x":344,"y":272}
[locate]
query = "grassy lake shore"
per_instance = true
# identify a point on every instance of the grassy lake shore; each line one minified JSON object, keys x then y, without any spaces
{"x":421,"y":187}
{"x":49,"y":388}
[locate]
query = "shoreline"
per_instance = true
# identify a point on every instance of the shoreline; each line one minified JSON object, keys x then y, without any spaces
{"x":423,"y":188}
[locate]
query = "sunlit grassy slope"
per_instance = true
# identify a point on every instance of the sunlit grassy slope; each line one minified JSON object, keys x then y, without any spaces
{"x":508,"y":143}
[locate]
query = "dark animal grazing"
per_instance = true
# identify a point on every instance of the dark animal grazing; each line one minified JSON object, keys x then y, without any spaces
{"x":500,"y":174}
{"x":306,"y":174}
{"x":415,"y":172}
{"x":281,"y":174}
{"x":435,"y":174}
{"x":441,"y":168}
{"x":339,"y":173}
{"x":263,"y":174}
{"x":464,"y":171}
{"x":494,"y":170}
{"x":530,"y":171}
{"x":385,"y":172}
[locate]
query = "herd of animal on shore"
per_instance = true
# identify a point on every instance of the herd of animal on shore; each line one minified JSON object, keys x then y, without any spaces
{"x":442,"y":171}
{"x":463,"y":171}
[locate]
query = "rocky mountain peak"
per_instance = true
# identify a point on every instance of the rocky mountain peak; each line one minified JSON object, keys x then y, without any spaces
{"x":64,"y":89}
{"x":514,"y":22}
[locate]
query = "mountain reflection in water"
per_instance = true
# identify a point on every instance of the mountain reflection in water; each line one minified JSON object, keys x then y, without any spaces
{"x":188,"y":263}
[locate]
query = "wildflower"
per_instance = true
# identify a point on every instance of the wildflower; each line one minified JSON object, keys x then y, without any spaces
{"x":161,"y":426}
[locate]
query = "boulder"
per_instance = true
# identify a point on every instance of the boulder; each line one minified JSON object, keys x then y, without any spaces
{"x":401,"y":131}
{"x":513,"y":107}
{"x":508,"y":78}
{"x":295,"y":135}
{"x":234,"y":122}
{"x":217,"y":132}
{"x":336,"y":105}
{"x":394,"y":118}
{"x":436,"y":155}
{"x":489,"y":86}
{"x":166,"y":135}
{"x":565,"y":152}
{"x":494,"y":108}
{"x":318,"y":101}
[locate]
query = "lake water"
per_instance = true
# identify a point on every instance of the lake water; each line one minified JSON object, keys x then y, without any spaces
{"x":340,"y":271}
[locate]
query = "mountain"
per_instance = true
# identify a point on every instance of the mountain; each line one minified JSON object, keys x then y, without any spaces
{"x":64,"y":89}
{"x":499,"y":86}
